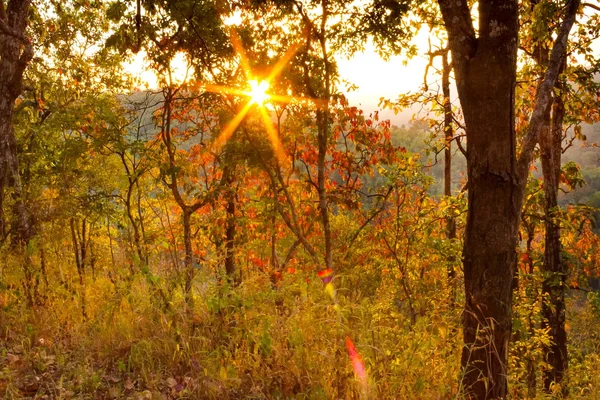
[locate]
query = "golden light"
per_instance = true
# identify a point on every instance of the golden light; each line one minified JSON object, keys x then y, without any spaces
{"x":257,"y":95}
{"x":258,"y":91}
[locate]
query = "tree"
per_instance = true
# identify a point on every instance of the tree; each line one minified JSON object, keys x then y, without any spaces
{"x":485,"y":67}
{"x":573,"y":100}
{"x":15,"y":51}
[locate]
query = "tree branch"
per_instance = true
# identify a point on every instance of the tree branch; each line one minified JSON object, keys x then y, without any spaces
{"x":595,"y":7}
{"x":544,"y":91}
{"x":461,"y":33}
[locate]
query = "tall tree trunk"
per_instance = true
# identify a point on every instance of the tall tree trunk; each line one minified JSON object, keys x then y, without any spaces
{"x":323,"y":135}
{"x":448,"y":136}
{"x":555,"y":272}
{"x":486,"y":90}
{"x":553,"y":309}
{"x":531,"y":374}
{"x":485,"y":68}
{"x":15,"y":53}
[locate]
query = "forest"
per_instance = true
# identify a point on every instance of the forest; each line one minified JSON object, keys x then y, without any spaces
{"x":236,"y":228}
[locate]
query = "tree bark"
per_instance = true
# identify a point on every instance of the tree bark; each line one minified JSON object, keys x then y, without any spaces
{"x":137,"y":239}
{"x":15,"y":53}
{"x":555,"y":272}
{"x":322,"y":138}
{"x":78,"y":262}
{"x":485,"y":69}
{"x":230,"y":267}
{"x":188,"y":260}
{"x":448,"y":136}
{"x":83,"y":240}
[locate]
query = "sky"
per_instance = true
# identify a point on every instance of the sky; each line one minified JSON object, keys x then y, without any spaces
{"x":377,"y":78}
{"x":374,"y":77}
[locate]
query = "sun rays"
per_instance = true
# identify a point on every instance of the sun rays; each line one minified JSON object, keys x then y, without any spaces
{"x":257,"y":94}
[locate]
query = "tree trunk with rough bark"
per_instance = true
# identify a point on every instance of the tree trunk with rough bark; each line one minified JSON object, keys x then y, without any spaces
{"x":485,"y":67}
{"x":15,"y":53}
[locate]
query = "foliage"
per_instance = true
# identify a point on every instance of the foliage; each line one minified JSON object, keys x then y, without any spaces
{"x":127,"y":289}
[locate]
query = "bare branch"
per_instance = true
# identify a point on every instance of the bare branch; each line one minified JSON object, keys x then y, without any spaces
{"x":595,"y":7}
{"x":460,"y":146}
{"x":461,"y":33}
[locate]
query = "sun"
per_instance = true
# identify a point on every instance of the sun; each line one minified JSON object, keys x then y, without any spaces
{"x":257,"y":95}
{"x":258,"y":91}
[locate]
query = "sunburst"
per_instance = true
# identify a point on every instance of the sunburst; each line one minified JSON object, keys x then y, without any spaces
{"x":257,"y":94}
{"x":258,"y":91}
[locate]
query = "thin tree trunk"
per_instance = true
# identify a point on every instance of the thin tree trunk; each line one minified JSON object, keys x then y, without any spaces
{"x":230,"y":267}
{"x":323,"y":135}
{"x":323,"y":139}
{"x":145,"y":252}
{"x":274,"y":258}
{"x":83,"y":244}
{"x":92,"y":256}
{"x":448,"y":136}
{"x":529,"y":362}
{"x":43,"y":266}
{"x":74,"y":235}
{"x":555,"y":272}
{"x":110,"y":242}
{"x":188,"y":260}
{"x":78,"y":262}
{"x":553,"y":310}
{"x":136,"y":230}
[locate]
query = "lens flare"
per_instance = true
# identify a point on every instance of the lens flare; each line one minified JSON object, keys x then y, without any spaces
{"x":357,"y":363}
{"x":258,"y":91}
{"x":258,"y":94}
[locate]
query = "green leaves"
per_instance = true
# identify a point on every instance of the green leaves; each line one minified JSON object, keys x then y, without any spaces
{"x":116,"y":10}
